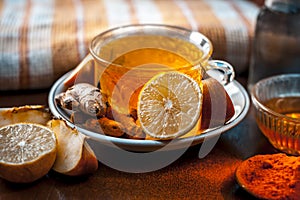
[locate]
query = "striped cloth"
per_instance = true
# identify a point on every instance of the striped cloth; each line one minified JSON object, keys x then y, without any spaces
{"x":40,"y":40}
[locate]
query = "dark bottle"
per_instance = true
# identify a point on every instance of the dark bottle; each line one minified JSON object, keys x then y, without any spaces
{"x":276,"y":48}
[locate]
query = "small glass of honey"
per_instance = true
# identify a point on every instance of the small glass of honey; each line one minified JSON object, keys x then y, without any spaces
{"x":276,"y":101}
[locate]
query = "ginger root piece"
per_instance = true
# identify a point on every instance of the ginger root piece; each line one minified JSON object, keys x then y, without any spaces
{"x":105,"y":126}
{"x":132,"y":129}
{"x":79,"y":117}
{"x":84,"y":97}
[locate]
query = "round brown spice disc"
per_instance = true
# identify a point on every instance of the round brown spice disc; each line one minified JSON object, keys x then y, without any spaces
{"x":275,"y":176}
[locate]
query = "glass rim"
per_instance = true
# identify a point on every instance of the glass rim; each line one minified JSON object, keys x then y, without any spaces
{"x":205,"y":56}
{"x":258,"y":104}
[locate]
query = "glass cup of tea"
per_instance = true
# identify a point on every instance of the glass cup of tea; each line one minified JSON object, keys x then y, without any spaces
{"x":125,"y":58}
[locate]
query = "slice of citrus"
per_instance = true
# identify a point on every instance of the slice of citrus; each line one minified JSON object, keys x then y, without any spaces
{"x":169,"y":105}
{"x":37,"y":114}
{"x":27,"y":152}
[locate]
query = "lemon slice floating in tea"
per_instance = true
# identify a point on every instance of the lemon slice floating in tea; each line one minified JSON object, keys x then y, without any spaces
{"x":27,"y":152}
{"x":169,"y":105}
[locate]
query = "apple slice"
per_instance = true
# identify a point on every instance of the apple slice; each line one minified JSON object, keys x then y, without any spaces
{"x":217,"y":107}
{"x":74,"y":155}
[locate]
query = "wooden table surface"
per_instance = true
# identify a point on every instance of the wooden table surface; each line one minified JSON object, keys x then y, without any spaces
{"x":189,"y":177}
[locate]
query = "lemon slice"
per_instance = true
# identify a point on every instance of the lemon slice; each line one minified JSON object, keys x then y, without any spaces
{"x":169,"y":105}
{"x":27,"y":152}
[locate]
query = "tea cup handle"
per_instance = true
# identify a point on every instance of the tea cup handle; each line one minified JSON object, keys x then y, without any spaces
{"x":225,"y":68}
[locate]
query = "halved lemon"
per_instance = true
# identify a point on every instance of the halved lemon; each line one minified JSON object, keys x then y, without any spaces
{"x":27,"y":152}
{"x":169,"y":105}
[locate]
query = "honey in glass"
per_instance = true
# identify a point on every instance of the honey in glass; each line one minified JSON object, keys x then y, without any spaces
{"x":289,"y":106}
{"x":283,"y":129}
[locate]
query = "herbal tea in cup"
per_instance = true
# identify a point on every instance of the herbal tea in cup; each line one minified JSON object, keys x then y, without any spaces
{"x":139,"y":65}
{"x":126,"y":58}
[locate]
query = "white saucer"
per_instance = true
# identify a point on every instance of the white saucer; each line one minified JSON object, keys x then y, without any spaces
{"x":234,"y":89}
